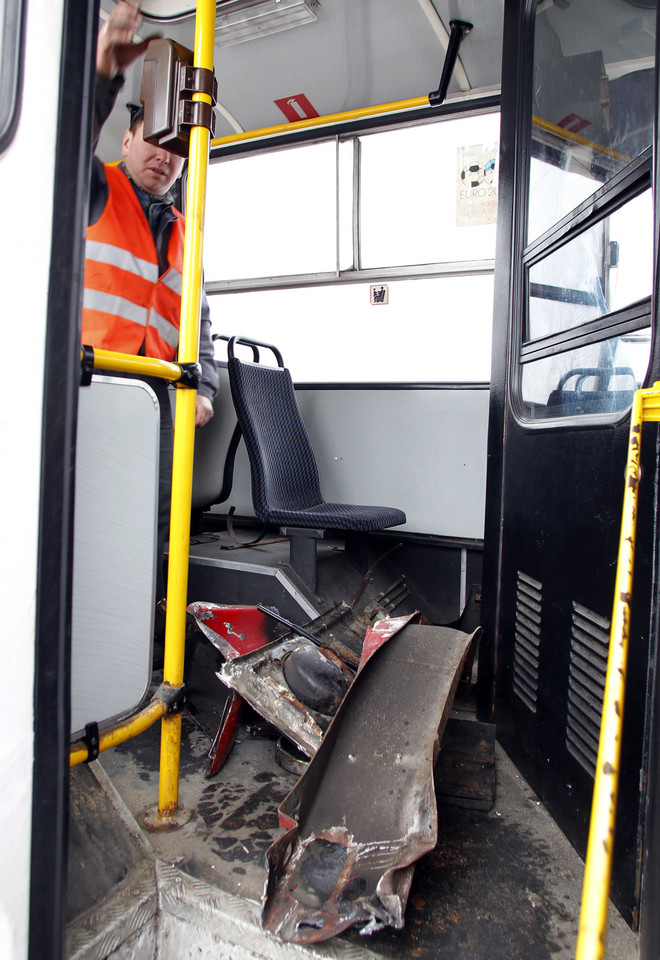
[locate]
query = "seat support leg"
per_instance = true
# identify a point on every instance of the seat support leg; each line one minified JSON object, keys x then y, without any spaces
{"x":302,"y":553}
{"x":356,"y":546}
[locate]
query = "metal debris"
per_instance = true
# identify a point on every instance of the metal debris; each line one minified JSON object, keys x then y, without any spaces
{"x":296,"y":683}
{"x":364,"y":810}
{"x":233,"y":630}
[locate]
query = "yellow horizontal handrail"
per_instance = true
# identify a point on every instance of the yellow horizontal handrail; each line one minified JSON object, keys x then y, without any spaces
{"x":129,"y":363}
{"x":382,"y":109}
{"x":592,"y":932}
{"x":123,"y":731}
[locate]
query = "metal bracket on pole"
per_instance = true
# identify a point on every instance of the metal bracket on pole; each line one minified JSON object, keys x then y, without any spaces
{"x":91,"y":741}
{"x":191,"y":375}
{"x":86,"y":365}
{"x":459,"y":30}
{"x":169,"y":84}
{"x":173,"y":697}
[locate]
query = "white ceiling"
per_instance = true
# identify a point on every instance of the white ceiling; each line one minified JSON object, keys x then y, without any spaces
{"x":358,"y":53}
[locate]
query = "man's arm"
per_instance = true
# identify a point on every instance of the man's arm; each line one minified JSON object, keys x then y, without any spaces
{"x":209,"y":383}
{"x":115,"y":50}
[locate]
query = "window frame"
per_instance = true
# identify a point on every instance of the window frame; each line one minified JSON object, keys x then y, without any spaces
{"x":357,"y":274}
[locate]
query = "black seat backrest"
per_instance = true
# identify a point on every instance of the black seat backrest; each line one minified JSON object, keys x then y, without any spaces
{"x":215,"y":447}
{"x":283,"y":466}
{"x":285,"y":478}
{"x":592,"y":390}
{"x":285,"y":481}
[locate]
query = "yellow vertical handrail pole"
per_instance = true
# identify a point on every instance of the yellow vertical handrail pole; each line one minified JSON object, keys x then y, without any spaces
{"x":592,"y":932}
{"x":184,"y":425}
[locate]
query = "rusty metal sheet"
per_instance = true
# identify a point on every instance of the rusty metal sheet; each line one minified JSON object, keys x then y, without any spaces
{"x":365,"y":810}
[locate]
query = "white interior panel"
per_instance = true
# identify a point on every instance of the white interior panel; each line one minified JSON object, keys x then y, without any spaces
{"x":114,"y":564}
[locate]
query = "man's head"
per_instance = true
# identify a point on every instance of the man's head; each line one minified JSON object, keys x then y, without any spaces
{"x":152,"y":168}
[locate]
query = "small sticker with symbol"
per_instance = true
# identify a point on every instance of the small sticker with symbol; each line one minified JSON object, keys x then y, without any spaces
{"x":380,"y":293}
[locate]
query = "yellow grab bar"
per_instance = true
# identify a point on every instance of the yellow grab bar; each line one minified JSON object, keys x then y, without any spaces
{"x":382,"y":109}
{"x":184,"y":434}
{"x":184,"y":429}
{"x":592,"y":932}
{"x":123,"y":731}
{"x":129,"y":363}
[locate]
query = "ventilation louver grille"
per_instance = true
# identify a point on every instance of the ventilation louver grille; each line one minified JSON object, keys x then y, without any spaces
{"x":526,"y":640}
{"x":590,"y":636}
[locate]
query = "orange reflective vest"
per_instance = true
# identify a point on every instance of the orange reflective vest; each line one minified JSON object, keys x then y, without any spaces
{"x":125,"y":301}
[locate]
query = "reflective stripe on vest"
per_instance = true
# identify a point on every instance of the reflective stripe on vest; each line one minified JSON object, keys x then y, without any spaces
{"x":127,"y":307}
{"x":123,"y":259}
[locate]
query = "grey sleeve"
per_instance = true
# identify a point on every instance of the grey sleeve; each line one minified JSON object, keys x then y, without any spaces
{"x":105,"y":95}
{"x":209,"y":385}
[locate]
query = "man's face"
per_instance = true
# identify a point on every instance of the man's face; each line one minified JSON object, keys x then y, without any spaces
{"x":152,"y":168}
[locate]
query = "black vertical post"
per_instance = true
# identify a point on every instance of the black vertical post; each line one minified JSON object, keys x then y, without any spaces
{"x":650,"y":875}
{"x":517,"y":58}
{"x":54,"y":570}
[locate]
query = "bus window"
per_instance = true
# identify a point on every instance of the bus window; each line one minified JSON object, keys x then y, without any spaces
{"x":596,"y":378}
{"x":605,"y":269}
{"x":428,"y":194}
{"x":360,"y":266}
{"x":272,"y":214}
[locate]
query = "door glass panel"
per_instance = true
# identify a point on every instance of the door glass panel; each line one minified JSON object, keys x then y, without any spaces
{"x":605,"y":269}
{"x":596,"y":378}
{"x":593,"y":97}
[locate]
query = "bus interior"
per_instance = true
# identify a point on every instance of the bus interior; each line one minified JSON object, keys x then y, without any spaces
{"x":417,"y":221}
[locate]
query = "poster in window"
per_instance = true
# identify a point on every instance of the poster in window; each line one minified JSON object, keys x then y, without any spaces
{"x":476,"y":187}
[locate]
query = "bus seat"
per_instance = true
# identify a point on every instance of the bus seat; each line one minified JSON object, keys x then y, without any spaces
{"x":592,"y":390}
{"x":215,"y":447}
{"x":286,"y":489}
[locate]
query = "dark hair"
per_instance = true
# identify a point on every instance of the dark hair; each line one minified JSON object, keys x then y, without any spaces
{"x":136,"y":111}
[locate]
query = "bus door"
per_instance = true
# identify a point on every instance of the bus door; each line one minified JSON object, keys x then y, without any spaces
{"x":572,"y":342}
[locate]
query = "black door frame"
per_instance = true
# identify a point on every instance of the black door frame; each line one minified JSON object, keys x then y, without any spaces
{"x":508,"y":310}
{"x":50,"y":810}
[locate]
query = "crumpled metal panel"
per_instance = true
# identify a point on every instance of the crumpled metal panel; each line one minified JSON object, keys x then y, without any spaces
{"x":259,"y":678}
{"x":233,"y":629}
{"x":256,"y":671}
{"x":364,"y":810}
